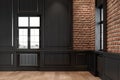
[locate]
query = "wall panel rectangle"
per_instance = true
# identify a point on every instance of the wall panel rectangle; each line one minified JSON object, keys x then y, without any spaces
{"x":56,"y":59}
{"x":5,"y":23}
{"x":5,"y":59}
{"x":58,"y":30}
{"x":28,"y":5}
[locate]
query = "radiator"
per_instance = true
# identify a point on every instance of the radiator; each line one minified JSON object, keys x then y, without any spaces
{"x":28,"y":60}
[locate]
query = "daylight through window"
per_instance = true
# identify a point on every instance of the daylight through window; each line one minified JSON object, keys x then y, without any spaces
{"x":29,"y":32}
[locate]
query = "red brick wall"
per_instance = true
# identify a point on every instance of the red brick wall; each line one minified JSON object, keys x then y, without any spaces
{"x":113,"y":26}
{"x":84,"y":24}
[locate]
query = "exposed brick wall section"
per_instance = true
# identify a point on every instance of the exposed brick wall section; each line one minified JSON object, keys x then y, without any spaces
{"x":84,"y":24}
{"x":113,"y":26}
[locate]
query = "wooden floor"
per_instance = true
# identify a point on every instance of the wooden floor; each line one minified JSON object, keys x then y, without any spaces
{"x":41,"y":75}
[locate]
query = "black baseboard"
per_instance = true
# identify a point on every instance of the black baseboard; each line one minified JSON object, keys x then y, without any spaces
{"x":8,"y":68}
{"x":67,"y":68}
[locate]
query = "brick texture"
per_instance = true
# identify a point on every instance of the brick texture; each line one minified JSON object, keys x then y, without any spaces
{"x":84,"y":25}
{"x":113,"y":26}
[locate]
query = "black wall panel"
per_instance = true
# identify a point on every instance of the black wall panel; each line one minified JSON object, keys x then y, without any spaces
{"x":58,"y":24}
{"x":111,"y":69}
{"x":108,"y":66}
{"x":6,"y":23}
{"x":64,"y":60}
{"x":5,"y":59}
{"x":100,"y":65}
{"x":92,"y":62}
{"x":28,"y":5}
{"x":56,"y":59}
{"x":81,"y":59}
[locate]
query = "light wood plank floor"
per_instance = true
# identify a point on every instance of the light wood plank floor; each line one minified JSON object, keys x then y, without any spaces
{"x":43,"y":75}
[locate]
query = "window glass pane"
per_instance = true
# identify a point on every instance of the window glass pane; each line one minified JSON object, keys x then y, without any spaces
{"x":34,"y":21}
{"x":23,"y":32}
{"x":34,"y":32}
{"x":23,"y":38}
{"x":102,"y":33}
{"x":23,"y":21}
{"x":102,"y":14}
{"x":34,"y":38}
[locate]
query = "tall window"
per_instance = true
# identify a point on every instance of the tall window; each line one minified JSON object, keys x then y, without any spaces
{"x":29,"y":32}
{"x":99,"y":29}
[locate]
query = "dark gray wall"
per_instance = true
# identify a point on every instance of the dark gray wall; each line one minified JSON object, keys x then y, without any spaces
{"x":56,"y":37}
{"x":5,"y":32}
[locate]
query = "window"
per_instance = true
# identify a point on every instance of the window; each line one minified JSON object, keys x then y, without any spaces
{"x":99,"y":29}
{"x":29,"y":32}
